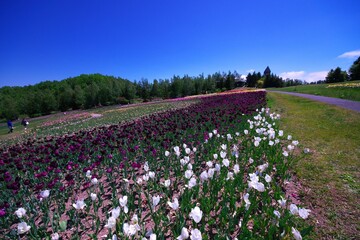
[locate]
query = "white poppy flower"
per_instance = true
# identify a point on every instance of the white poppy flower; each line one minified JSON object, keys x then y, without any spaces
{"x":204,"y":176}
{"x":184,"y":234}
{"x":45,"y":193}
{"x":88,"y":174}
{"x":196,"y":214}
{"x":263,"y":167}
{"x":123,"y":203}
{"x":222,"y":154}
{"x":115,"y":213}
{"x":282,"y":202}
{"x":226,"y":162}
{"x":211,"y":172}
{"x":281,"y":133}
{"x":80,"y":204}
{"x":111,"y":223}
{"x":192,"y":182}
{"x":146,"y":166}
{"x":195,"y":234}
{"x":217,"y":167}
{"x":188,"y":174}
{"x":93,"y":196}
{"x":55,"y":236}
{"x":285,"y":153}
{"x":230,"y":175}
{"x":174,"y":205}
{"x":155,"y":201}
{"x":304,"y":213}
{"x":176,"y":149}
{"x":189,"y":166}
{"x":277,"y":213}
{"x":146,"y":177}
{"x":20,"y":212}
{"x":209,"y":164}
{"x":167,"y":183}
{"x":296,"y":233}
{"x":294,"y":209}
{"x":94,"y":181}
{"x":23,"y":227}
{"x":152,"y":175}
{"x":236,"y":168}
{"x":267,"y":178}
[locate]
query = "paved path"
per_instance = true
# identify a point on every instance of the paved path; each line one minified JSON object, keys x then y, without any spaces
{"x":352,"y":105}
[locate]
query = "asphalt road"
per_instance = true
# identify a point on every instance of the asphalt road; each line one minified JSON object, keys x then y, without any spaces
{"x":348,"y":104}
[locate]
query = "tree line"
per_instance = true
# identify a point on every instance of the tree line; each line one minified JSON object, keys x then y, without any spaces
{"x":92,"y":90}
{"x":338,"y":75}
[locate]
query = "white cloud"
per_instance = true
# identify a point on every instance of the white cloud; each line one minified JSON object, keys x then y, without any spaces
{"x":350,"y":54}
{"x":250,"y":70}
{"x":302,"y":75}
{"x":315,"y":76}
{"x":243,"y":77}
{"x":293,"y":75}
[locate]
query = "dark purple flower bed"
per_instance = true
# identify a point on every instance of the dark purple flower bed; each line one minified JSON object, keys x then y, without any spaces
{"x":57,"y":163}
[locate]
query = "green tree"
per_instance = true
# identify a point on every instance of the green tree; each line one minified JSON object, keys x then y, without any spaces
{"x":164,"y":88}
{"x":336,"y":75}
{"x":130,"y":91}
{"x":8,"y":108}
{"x":48,"y":101}
{"x":65,"y":97}
{"x":155,"y":92}
{"x":230,"y":81}
{"x":175,"y":87}
{"x":91,"y":96}
{"x":79,"y":97}
{"x":354,"y":70}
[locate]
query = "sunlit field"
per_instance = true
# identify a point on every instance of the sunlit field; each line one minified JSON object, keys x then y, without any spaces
{"x":213,"y":167}
{"x":345,"y":90}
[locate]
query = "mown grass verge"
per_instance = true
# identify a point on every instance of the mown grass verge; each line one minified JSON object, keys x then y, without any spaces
{"x":330,"y":175}
{"x":345,"y":90}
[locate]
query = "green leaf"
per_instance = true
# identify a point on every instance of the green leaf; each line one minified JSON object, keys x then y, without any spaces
{"x":63,"y":225}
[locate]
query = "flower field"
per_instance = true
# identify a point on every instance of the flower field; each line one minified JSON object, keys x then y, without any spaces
{"x":214,"y":169}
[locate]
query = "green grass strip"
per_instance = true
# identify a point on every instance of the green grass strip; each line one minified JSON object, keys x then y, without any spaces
{"x":345,"y":90}
{"x":330,"y":175}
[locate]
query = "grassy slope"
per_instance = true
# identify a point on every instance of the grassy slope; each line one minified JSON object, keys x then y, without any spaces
{"x":330,"y":175}
{"x":321,"y":89}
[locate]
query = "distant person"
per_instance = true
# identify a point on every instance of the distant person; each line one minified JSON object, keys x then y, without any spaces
{"x":10,"y":126}
{"x":24,"y":123}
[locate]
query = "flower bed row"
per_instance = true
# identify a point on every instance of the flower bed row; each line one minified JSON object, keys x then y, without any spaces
{"x":213,"y":170}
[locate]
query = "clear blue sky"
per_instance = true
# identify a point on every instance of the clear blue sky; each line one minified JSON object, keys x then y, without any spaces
{"x":52,"y":40}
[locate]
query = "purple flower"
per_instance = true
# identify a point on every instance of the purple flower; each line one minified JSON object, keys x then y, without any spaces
{"x":2,"y":212}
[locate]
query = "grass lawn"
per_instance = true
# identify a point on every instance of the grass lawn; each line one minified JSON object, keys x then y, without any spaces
{"x":336,"y":90}
{"x":330,"y":175}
